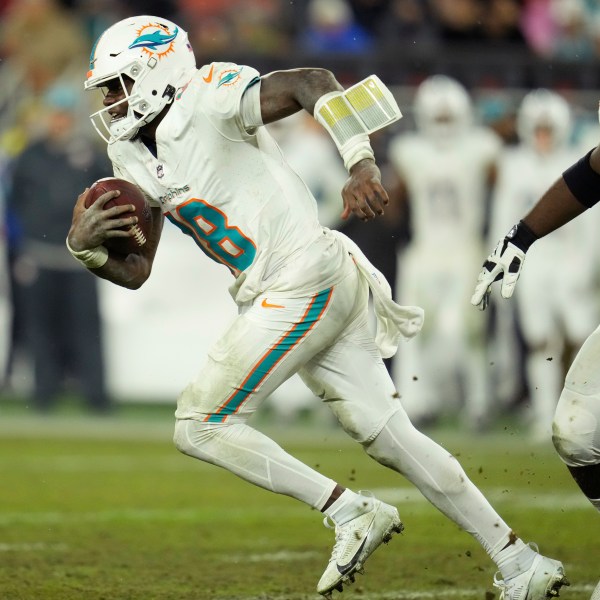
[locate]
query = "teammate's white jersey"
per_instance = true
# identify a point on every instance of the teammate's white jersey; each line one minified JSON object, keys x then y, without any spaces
{"x":446,"y":183}
{"x":213,"y":179}
{"x":558,"y":283}
{"x":523,"y":176}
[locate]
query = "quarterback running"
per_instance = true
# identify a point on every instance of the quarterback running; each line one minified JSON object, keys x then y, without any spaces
{"x":194,"y":141}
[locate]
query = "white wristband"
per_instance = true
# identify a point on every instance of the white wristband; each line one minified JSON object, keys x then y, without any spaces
{"x":355,"y":150}
{"x":92,"y":259}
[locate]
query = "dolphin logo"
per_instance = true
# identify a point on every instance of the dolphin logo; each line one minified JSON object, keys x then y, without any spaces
{"x":229,"y":77}
{"x":153,"y":40}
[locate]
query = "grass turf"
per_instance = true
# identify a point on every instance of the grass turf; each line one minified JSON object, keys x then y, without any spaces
{"x":107,"y":509}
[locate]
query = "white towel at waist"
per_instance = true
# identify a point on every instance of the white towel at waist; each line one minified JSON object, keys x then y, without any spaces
{"x":393,"y":321}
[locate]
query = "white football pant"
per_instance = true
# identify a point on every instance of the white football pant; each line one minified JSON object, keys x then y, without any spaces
{"x":327,"y":339}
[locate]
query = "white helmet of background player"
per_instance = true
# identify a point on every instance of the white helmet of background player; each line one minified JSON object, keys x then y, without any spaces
{"x":155,"y":54}
{"x":442,"y":107}
{"x":544,"y":109}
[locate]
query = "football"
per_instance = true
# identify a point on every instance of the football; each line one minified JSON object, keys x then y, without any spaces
{"x":130,"y":194}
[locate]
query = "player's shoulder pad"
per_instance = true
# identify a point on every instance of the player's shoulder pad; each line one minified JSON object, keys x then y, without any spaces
{"x":222,"y":84}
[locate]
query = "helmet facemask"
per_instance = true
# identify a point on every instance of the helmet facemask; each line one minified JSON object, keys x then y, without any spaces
{"x":139,"y":112}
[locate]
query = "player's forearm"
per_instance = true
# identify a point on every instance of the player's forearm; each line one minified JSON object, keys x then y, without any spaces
{"x":130,"y":271}
{"x":284,"y":93}
{"x":577,"y":190}
{"x":555,"y":208}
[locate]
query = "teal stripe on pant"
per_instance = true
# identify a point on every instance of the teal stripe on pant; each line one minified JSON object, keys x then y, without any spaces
{"x":272,"y":357}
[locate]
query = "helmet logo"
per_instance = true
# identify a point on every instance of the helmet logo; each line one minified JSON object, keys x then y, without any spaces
{"x":155,"y":40}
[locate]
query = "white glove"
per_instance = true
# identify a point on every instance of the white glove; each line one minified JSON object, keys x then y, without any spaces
{"x":503,"y":264}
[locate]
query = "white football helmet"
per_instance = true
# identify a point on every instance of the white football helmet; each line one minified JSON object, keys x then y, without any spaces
{"x":152,"y":51}
{"x":544,"y":108}
{"x":442,"y":107}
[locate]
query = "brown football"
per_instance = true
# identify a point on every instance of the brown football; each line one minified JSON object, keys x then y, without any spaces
{"x":130,"y":194}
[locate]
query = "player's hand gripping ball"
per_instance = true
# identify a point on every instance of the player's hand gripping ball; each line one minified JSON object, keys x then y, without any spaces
{"x":130,"y":194}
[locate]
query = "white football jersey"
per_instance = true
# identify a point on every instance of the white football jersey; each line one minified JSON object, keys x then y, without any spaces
{"x":446,"y":183}
{"x":558,"y":266}
{"x":523,"y":176}
{"x":232,"y":190}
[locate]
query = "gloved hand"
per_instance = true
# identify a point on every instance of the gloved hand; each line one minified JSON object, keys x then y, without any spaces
{"x":503,"y":264}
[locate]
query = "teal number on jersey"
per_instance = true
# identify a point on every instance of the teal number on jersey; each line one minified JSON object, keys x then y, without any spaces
{"x":211,"y":231}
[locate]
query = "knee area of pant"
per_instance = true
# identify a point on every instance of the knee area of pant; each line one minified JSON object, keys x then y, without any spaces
{"x":575,"y":432}
{"x":190,"y":434}
{"x":180,"y":437}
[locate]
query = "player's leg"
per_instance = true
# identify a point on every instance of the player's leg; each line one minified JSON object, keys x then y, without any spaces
{"x":42,"y":313}
{"x":576,"y":426}
{"x":264,"y":346}
{"x":543,"y":368}
{"x":262,"y":349}
{"x":367,"y":405}
{"x":415,"y":367}
{"x":470,"y":342}
{"x":84,"y":335}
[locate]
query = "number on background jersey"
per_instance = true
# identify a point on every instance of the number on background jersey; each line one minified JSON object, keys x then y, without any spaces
{"x":211,"y":231}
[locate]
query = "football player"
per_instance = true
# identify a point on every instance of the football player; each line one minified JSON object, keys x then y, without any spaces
{"x":193,"y":140}
{"x":556,"y":303}
{"x":445,"y":169}
{"x":576,"y":421}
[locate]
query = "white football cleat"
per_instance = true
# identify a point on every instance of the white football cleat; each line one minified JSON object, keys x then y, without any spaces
{"x":542,"y":580}
{"x":355,"y":541}
{"x":596,"y":593}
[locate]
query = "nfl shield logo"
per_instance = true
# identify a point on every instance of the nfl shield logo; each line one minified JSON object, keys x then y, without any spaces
{"x":160,"y":172}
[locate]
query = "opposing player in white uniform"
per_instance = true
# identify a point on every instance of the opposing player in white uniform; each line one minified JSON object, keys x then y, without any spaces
{"x":576,"y":423}
{"x":556,"y":303}
{"x":194,"y":141}
{"x":445,"y":170}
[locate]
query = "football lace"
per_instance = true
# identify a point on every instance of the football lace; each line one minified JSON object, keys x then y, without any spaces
{"x":138,"y":234}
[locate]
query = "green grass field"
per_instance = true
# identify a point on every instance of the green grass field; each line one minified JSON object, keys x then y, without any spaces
{"x":107,"y":509}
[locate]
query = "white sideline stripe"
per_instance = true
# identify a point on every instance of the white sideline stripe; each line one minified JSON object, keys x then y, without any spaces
{"x":33,"y":547}
{"x":283,"y":556}
{"x":404,"y":595}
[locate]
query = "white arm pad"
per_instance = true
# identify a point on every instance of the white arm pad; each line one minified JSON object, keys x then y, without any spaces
{"x":351,"y":115}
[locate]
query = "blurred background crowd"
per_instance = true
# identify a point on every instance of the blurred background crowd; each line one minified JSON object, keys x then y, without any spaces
{"x":498,"y":96}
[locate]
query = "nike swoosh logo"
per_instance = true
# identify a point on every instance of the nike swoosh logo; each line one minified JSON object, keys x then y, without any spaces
{"x":343,"y":569}
{"x":266,"y":304}
{"x":209,"y":77}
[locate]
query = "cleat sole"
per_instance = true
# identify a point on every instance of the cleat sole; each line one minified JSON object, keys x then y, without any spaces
{"x":554,"y":589}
